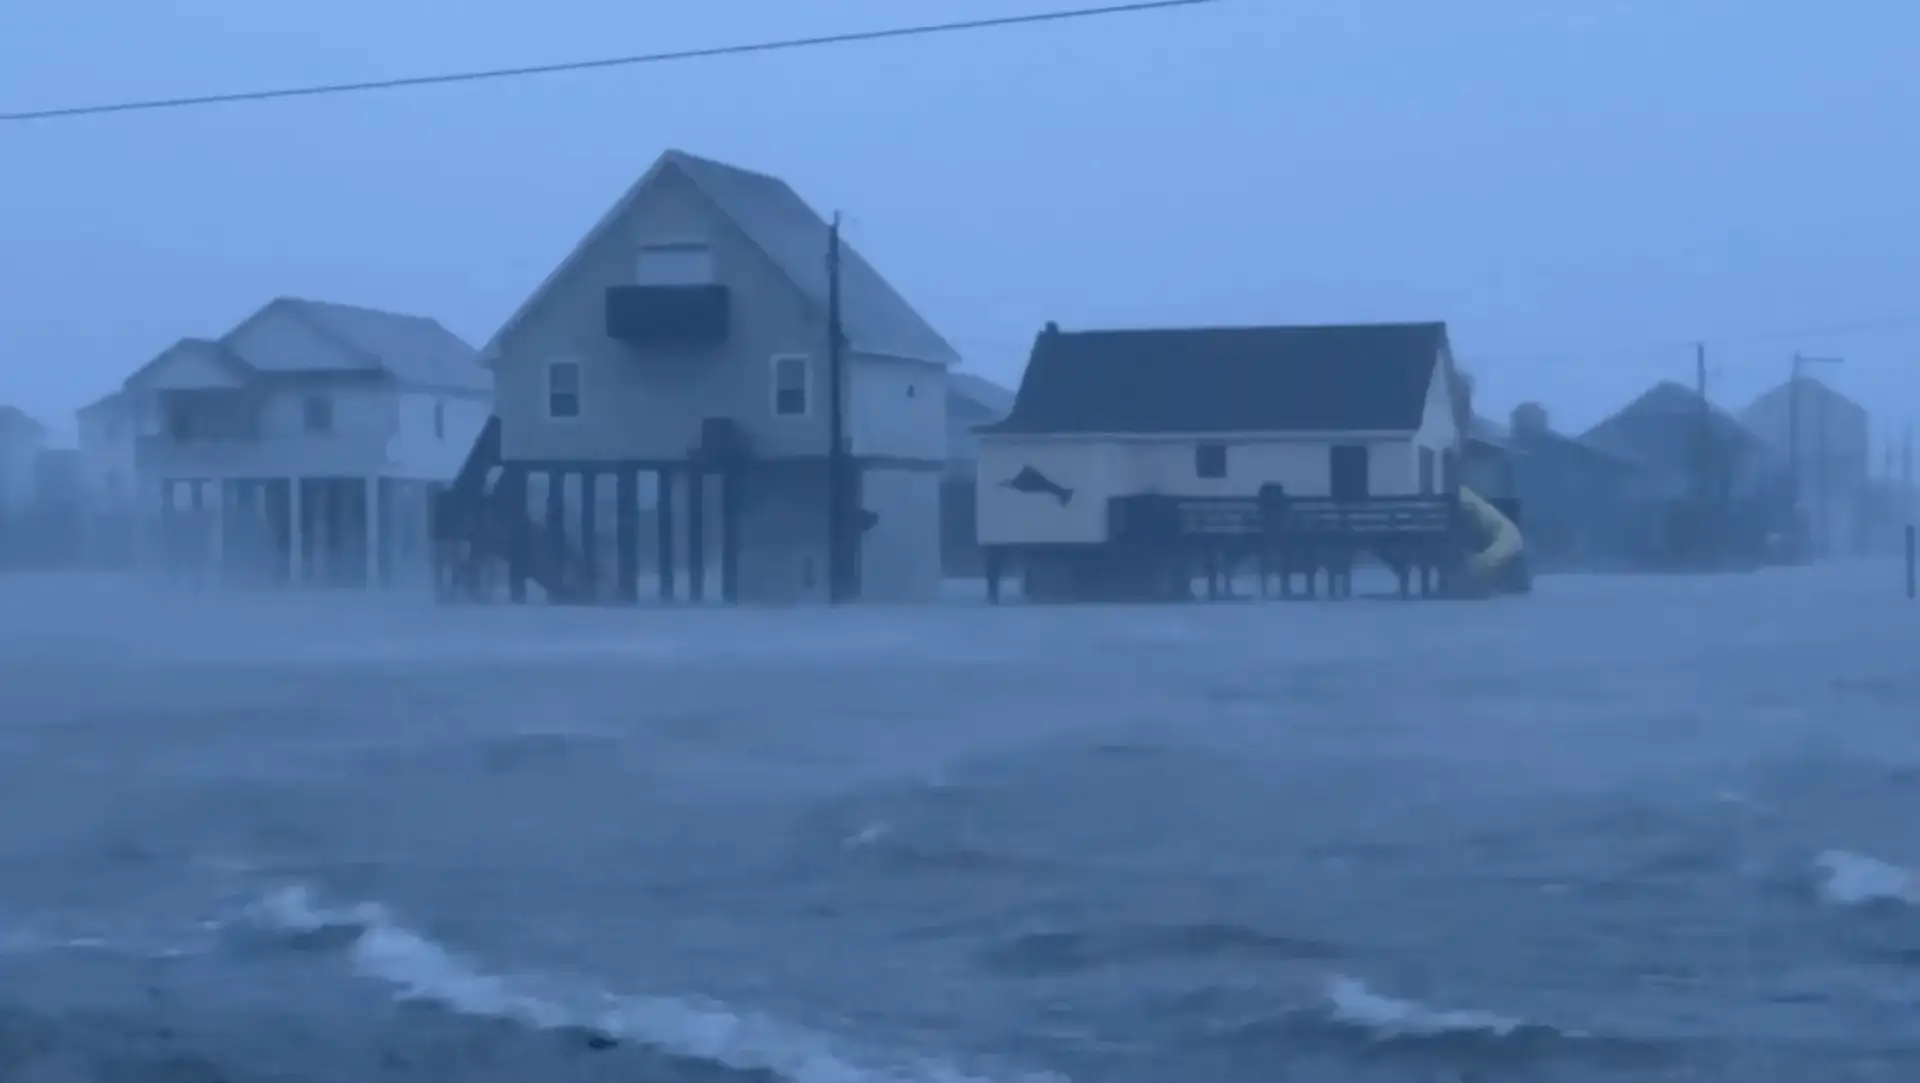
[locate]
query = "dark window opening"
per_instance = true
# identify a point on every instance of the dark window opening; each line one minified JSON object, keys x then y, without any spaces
{"x":317,"y":412}
{"x":1210,"y":460}
{"x":1348,"y":469}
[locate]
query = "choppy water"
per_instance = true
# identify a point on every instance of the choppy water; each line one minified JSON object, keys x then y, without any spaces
{"x":1648,"y":829}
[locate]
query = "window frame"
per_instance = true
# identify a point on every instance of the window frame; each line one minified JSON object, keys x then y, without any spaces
{"x":578,"y":392}
{"x":774,"y":388}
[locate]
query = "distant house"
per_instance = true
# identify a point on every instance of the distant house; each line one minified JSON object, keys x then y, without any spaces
{"x":1701,"y":475}
{"x":1349,"y":413}
{"x":1823,"y":441}
{"x":106,"y":479}
{"x":972,"y":402}
{"x":1576,"y":501}
{"x":685,"y":338}
{"x":302,"y":445}
{"x":21,"y":441}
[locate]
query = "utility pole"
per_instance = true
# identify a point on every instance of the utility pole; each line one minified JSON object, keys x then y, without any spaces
{"x":1906,"y":473}
{"x":1793,"y":434}
{"x":1703,"y":456}
{"x":836,"y":428}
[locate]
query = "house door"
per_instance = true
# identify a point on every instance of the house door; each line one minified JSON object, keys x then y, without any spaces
{"x":1348,"y":465}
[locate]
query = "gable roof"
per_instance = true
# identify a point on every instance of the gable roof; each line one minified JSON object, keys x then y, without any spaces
{"x":1660,"y":428}
{"x":412,"y":349}
{"x":977,"y":394}
{"x":1816,"y":396}
{"x":213,"y":351}
{"x":793,"y":236}
{"x":1362,"y":377}
{"x":15,"y":420}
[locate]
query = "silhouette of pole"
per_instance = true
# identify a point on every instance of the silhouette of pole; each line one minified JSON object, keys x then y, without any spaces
{"x":836,"y":428}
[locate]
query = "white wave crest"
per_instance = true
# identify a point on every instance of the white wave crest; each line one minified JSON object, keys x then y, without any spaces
{"x":1849,"y":879}
{"x":416,"y":968}
{"x":1355,"y":1005}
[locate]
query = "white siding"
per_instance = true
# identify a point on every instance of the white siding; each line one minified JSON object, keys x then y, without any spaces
{"x":1438,"y":428}
{"x":900,"y":556}
{"x":417,"y":450}
{"x":897,"y":408}
{"x":1008,"y":517}
{"x":1097,"y":470}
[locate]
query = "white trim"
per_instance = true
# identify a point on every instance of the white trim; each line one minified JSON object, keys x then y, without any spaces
{"x":579,"y":390}
{"x":806,"y":384}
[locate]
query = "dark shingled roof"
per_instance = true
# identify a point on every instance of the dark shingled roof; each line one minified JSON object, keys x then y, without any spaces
{"x":1228,"y":379}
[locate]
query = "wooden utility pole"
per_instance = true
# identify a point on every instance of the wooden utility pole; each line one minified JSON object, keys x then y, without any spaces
{"x":1793,"y":432}
{"x":837,"y":496}
{"x":1705,"y":537}
{"x":1906,"y":473}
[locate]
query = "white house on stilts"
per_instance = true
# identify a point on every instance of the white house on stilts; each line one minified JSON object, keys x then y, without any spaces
{"x":303,"y":447}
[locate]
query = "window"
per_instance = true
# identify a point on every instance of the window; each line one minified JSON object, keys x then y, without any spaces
{"x":1210,"y":460}
{"x":563,"y":390}
{"x":316,"y":413}
{"x":673,"y":265}
{"x":179,"y":421}
{"x":790,"y":379}
{"x":1426,"y":471}
{"x":439,"y":420}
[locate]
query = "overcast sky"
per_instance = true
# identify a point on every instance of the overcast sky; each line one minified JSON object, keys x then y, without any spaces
{"x":1579,"y":187}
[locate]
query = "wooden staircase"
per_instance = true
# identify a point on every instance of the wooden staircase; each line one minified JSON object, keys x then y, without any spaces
{"x":481,"y":524}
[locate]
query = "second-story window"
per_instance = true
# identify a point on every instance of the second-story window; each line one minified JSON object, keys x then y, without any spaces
{"x":439,"y":419}
{"x":179,"y":420}
{"x":790,"y":398}
{"x":689,"y":264}
{"x":316,"y":412}
{"x":563,"y":390}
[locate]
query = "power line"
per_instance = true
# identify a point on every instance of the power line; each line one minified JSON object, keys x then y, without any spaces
{"x":780,"y":45}
{"x":1652,"y":346}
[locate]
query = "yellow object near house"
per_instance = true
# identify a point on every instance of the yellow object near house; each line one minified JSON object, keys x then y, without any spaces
{"x":1504,"y":545}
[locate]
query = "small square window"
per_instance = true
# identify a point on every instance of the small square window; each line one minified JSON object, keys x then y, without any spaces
{"x":1210,"y":460}
{"x":563,"y":390}
{"x":316,"y":412}
{"x":790,"y":398}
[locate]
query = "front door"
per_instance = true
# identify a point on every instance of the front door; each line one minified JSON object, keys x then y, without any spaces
{"x":1348,"y":464}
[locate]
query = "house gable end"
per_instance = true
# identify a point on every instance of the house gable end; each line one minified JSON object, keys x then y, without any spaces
{"x":190,"y":365}
{"x":280,"y":340}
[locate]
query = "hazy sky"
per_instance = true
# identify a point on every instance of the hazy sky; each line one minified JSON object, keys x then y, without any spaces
{"x":1578,"y":186}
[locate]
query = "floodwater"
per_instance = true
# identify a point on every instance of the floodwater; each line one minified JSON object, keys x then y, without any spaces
{"x":1626,"y":829}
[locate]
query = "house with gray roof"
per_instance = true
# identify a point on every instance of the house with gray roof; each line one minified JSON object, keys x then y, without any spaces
{"x":681,"y":348}
{"x":1343,"y":412}
{"x":300,"y":446}
{"x":1706,"y":491}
